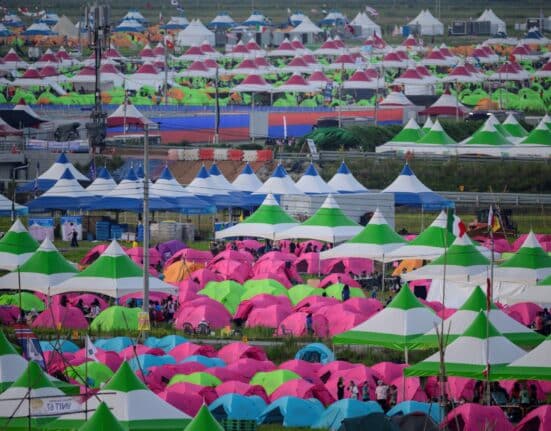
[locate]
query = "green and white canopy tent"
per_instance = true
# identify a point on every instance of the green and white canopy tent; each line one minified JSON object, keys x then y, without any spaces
{"x":493,"y":121}
{"x":376,"y":241}
{"x":16,"y":247}
{"x":513,"y":127}
{"x":32,"y":401}
{"x":268,"y":220}
{"x":428,"y":125}
{"x":12,"y":364}
{"x":540,"y":135}
{"x":132,"y":404}
{"x":436,"y":136}
{"x":462,"y":318}
{"x":539,"y":294}
{"x":430,"y":243}
{"x":396,"y":327}
{"x":328,"y":224}
{"x":461,"y":262}
{"x":41,"y":272}
{"x":113,"y":274}
{"x":546,"y":120}
{"x":535,"y":365}
{"x":479,"y":351}
{"x":487,"y":135}
{"x":410,"y":134}
{"x":102,"y":420}
{"x":204,"y":421}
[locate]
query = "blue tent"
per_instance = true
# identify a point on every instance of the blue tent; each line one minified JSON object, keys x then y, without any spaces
{"x":131,"y":26}
{"x":223,"y":20}
{"x":145,"y":362}
{"x":343,"y":409}
{"x":246,"y":199}
{"x":12,"y":20}
{"x":50,"y":18}
{"x":237,"y":407}
{"x":207,"y":189}
{"x":115,"y":344}
{"x":255,"y":19}
{"x":316,"y":352}
{"x":65,"y":346}
{"x":207,"y":362}
{"x":291,"y":412}
{"x":409,"y":191}
{"x":176,"y":23}
{"x":407,"y":407}
{"x":4,"y":32}
{"x":38,"y":29}
{"x":167,"y":343}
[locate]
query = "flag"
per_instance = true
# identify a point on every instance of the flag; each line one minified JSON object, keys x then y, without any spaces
{"x":30,"y":345}
{"x":486,"y":371}
{"x":493,"y":220}
{"x":92,"y":170}
{"x":371,"y":11}
{"x":91,"y":350}
{"x":455,"y":225}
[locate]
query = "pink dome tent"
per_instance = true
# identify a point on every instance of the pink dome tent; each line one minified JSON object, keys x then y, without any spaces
{"x":238,"y":350}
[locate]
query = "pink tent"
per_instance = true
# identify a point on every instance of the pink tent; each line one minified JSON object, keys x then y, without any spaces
{"x":307,"y":370}
{"x":413,"y":390}
{"x":359,"y":374}
{"x":537,"y":420}
{"x":326,"y":371}
{"x":111,"y":359}
{"x":308,"y":263}
{"x":314,"y":244}
{"x":225,"y":374}
{"x":185,"y":350}
{"x":524,"y":312}
{"x":131,"y":351}
{"x":269,"y":268}
{"x":250,"y":244}
{"x":190,"y":255}
{"x":476,"y":417}
{"x":354,"y":265}
{"x":342,"y":320}
{"x":542,"y":388}
{"x":446,"y":312}
{"x":248,"y":367}
{"x":157,"y":377}
{"x":457,"y":388}
{"x":207,"y":393}
{"x":136,"y":254}
{"x":268,"y":317}
{"x":302,"y":389}
{"x":187,"y":402}
{"x":363,"y":306}
{"x":277,"y":255}
{"x":57,"y":316}
{"x":314,"y":303}
{"x":93,"y":254}
{"x":520,"y":240}
{"x":238,"y":350}
{"x":187,"y":292}
{"x":232,"y":270}
{"x":203,"y":310}
{"x":242,"y":256}
{"x":203,"y":276}
{"x":57,"y":362}
{"x":9,"y":314}
{"x":87,"y":300}
{"x":237,"y":387}
{"x":153,"y":297}
{"x":501,"y":245}
{"x":388,"y":371}
{"x":334,"y":278}
{"x":295,"y":324}
{"x":259,"y":301}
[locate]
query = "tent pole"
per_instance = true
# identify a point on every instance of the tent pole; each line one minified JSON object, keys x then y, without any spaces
{"x":145,"y":217}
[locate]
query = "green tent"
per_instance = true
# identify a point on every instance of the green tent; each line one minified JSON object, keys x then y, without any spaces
{"x":28,"y":301}
{"x":263,"y":283}
{"x":436,"y":136}
{"x":198,"y":378}
{"x":95,"y":373}
{"x":513,"y":127}
{"x":228,"y":293}
{"x":116,"y":318}
{"x":409,"y":134}
{"x":204,"y":421}
{"x":12,"y":364}
{"x":264,"y":288}
{"x":535,"y":365}
{"x":16,"y":247}
{"x":541,"y":135}
{"x":102,"y":420}
{"x":271,"y":380}
{"x":335,"y":291}
{"x":300,"y":291}
{"x":488,"y":135}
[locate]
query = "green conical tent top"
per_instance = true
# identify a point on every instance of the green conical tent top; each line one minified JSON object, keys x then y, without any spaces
{"x":428,"y":125}
{"x":102,"y":420}
{"x":113,"y":274}
{"x":124,"y":380}
{"x":204,"y":421}
{"x":328,"y":224}
{"x":436,"y":136}
{"x":16,"y":246}
{"x":375,"y":241}
{"x":32,"y":378}
{"x":541,"y":135}
{"x":487,"y":135}
{"x":198,"y":378}
{"x":6,"y":348}
{"x":476,"y":301}
{"x":493,"y":121}
{"x":429,"y":244}
{"x":513,"y":127}
{"x":546,"y":120}
{"x":410,"y":133}
{"x":396,"y":326}
{"x":467,"y":355}
{"x":265,"y":222}
{"x":43,"y":270}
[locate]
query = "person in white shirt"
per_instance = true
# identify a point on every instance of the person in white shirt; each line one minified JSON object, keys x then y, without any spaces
{"x":353,"y":390}
{"x":381,"y":393}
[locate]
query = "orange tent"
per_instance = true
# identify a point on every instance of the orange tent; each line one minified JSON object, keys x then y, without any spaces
{"x":180,"y":270}
{"x":407,"y":265}
{"x":485,"y":105}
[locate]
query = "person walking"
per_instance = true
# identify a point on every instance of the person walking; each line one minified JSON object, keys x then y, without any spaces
{"x":340,"y":388}
{"x":345,"y":293}
{"x":74,"y":236}
{"x":365,"y":392}
{"x":381,"y":393}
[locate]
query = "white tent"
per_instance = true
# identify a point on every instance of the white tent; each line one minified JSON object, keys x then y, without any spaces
{"x":368,"y":27}
{"x":427,"y":24}
{"x":306,"y":27}
{"x":497,"y":25}
{"x":194,"y":34}
{"x":65,"y":27}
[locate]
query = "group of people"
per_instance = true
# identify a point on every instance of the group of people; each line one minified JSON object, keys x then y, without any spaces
{"x":385,"y":395}
{"x":542,"y":322}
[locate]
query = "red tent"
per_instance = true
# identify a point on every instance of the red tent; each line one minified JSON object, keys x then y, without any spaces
{"x":127,"y":114}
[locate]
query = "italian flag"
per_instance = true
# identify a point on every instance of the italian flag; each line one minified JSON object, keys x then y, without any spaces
{"x":455,"y":224}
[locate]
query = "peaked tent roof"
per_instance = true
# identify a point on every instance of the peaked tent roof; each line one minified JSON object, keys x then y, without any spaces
{"x":409,"y":191}
{"x":247,"y":181}
{"x":344,"y":182}
{"x":328,"y":224}
{"x":312,"y":183}
{"x":127,"y":114}
{"x":513,"y":127}
{"x":204,"y":421}
{"x":16,"y":247}
{"x":375,"y":242}
{"x":265,"y":222}
{"x":206,"y":187}
{"x":429,"y":244}
{"x":467,"y":355}
{"x":454,"y":325}
{"x":487,"y":135}
{"x":103,"y":183}
{"x":113,"y":274}
{"x":436,"y":136}
{"x":534,"y":365}
{"x":410,"y":133}
{"x":394,"y":327}
{"x":280,"y":183}
{"x":12,"y":364}
{"x":52,"y":174}
{"x":102,"y":420}
{"x":540,"y":135}
{"x":43,"y":270}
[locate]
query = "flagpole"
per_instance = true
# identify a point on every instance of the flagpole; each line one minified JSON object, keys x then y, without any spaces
{"x":86,"y":380}
{"x":489,"y":299}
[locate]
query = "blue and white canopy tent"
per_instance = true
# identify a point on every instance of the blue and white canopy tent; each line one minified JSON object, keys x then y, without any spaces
{"x":135,"y":15}
{"x":38,"y":29}
{"x":65,"y":194}
{"x":409,"y":191}
{"x":206,"y":188}
{"x":280,"y":183}
{"x":176,"y":23}
{"x":312,"y":184}
{"x":6,"y":207}
{"x":247,"y":181}
{"x":130,"y":25}
{"x":168,"y":188}
{"x":256,"y":19}
{"x":246,"y":199}
{"x":50,"y":18}
{"x":103,"y":184}
{"x":4,"y":31}
{"x":344,"y":182}
{"x":129,"y":196}
{"x":222,"y":20}
{"x":54,"y":173}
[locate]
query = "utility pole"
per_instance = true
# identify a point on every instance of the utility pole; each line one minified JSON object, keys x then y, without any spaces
{"x":145,"y":220}
{"x":14,"y":188}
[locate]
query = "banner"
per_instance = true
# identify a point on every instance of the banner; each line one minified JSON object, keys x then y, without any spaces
{"x":79,"y":146}
{"x":41,"y":228}
{"x":54,"y":406}
{"x":143,"y":321}
{"x":68,"y":224}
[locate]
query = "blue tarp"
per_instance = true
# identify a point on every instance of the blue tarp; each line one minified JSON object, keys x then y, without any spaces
{"x":237,"y":407}
{"x":116,"y":344}
{"x":207,"y":362}
{"x":59,"y":345}
{"x":315,"y":352}
{"x":166,"y":343}
{"x":343,"y":409}
{"x":145,"y":362}
{"x":292,"y":412}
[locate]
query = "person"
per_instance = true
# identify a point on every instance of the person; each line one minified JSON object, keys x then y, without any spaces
{"x":94,"y":309}
{"x":365,"y":392}
{"x":74,"y":236}
{"x":309,"y":324}
{"x":345,"y":293}
{"x":381,"y":393}
{"x":392,"y":396}
{"x":63,"y":301}
{"x":538,"y":323}
{"x":340,"y":389}
{"x":353,"y":390}
{"x":478,"y":392}
{"x":533,"y":395}
{"x":524,"y":395}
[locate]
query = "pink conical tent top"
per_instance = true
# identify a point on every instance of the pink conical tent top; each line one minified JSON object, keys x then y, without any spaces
{"x":297,"y":62}
{"x":128,"y":114}
{"x":338,"y":42}
{"x":246,"y":64}
{"x":392,"y":56}
{"x":48,"y":71}
{"x":286,"y":45}
{"x":402,"y":54}
{"x":261,"y":62}
{"x":460,"y":71}
{"x":207,"y":48}
{"x":435,"y":55}
{"x":198,"y":66}
{"x":344,"y":59}
{"x":108,"y":68}
{"x":422,"y":70}
{"x":31,"y":73}
{"x":146,"y":52}
{"x":48,"y":56}
{"x":159,"y":50}
{"x":479,"y":53}
{"x":87,"y":71}
{"x":471,"y":69}
{"x":253,"y":46}
{"x":147,"y":69}
{"x":359,"y":76}
{"x":297,"y":44}
{"x":296,"y":79}
{"x":446,"y":51}
{"x":112,"y":53}
{"x":489,"y":51}
{"x":240,"y":48}
{"x":11,"y":57}
{"x":521,"y":50}
{"x":318,"y":76}
{"x":194,"y":50}
{"x":410,"y":41}
{"x":329,"y":44}
{"x":62,"y":54}
{"x":210,"y":63}
{"x":411,"y":74}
